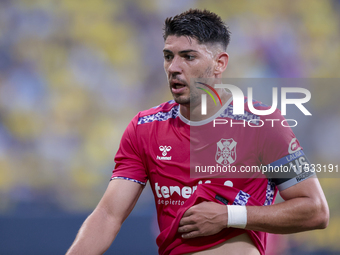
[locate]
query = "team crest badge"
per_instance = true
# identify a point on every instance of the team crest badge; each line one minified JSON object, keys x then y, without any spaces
{"x":226,"y":152}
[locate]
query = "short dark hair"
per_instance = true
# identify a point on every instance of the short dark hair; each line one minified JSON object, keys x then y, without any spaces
{"x":203,"y":25}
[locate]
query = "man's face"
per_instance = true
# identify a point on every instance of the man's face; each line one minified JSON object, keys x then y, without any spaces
{"x":184,"y":60}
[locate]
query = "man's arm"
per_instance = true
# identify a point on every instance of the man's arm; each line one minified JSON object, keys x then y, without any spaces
{"x":101,"y":227}
{"x":305,"y":208}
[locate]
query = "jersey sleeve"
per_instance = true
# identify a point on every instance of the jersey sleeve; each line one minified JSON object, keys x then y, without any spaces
{"x":282,"y":157}
{"x":129,"y":163}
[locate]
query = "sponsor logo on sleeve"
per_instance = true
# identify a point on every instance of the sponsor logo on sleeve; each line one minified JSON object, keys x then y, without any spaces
{"x":293,"y":146}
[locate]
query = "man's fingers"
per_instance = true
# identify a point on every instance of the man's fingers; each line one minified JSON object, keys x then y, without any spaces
{"x":188,"y":212}
{"x":192,"y":234}
{"x":187,"y":221}
{"x":187,"y":228}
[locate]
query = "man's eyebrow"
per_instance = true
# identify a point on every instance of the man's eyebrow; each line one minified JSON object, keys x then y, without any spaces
{"x":187,"y":51}
{"x":167,"y":51}
{"x":181,"y":52}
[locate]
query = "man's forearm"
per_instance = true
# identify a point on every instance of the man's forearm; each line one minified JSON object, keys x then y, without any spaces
{"x":305,"y":208}
{"x":96,"y":234}
{"x":295,"y":215}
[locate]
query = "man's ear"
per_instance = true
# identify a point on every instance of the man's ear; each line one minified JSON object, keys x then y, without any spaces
{"x":221,"y":63}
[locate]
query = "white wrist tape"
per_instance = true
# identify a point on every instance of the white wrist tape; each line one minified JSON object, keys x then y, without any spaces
{"x":237,"y":216}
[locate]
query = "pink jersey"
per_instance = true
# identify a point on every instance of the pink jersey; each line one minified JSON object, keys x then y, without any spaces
{"x":160,"y":145}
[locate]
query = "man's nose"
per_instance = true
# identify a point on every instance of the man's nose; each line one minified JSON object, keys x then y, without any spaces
{"x":175,"y":66}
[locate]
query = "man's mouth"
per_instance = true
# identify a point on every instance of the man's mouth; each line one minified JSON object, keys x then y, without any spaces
{"x":177,"y":86}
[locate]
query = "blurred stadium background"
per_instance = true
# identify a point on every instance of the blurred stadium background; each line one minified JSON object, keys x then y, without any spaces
{"x":74,"y":73}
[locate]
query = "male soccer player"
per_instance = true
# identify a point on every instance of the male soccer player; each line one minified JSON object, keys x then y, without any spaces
{"x":227,"y":215}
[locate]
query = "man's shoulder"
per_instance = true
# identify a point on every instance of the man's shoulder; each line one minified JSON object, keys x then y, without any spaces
{"x":258,"y":105}
{"x":160,"y":112}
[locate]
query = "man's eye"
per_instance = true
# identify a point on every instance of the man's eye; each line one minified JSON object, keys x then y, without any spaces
{"x":167,"y":57}
{"x":190,"y":57}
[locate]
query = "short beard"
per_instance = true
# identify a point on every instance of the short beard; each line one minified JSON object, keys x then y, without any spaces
{"x":182,"y":101}
{"x":194,"y":97}
{"x":187,"y":101}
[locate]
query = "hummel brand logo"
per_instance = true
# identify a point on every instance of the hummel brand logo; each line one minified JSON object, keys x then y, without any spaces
{"x":165,"y":150}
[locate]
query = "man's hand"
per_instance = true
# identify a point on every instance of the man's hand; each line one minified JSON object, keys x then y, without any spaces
{"x":204,"y":219}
